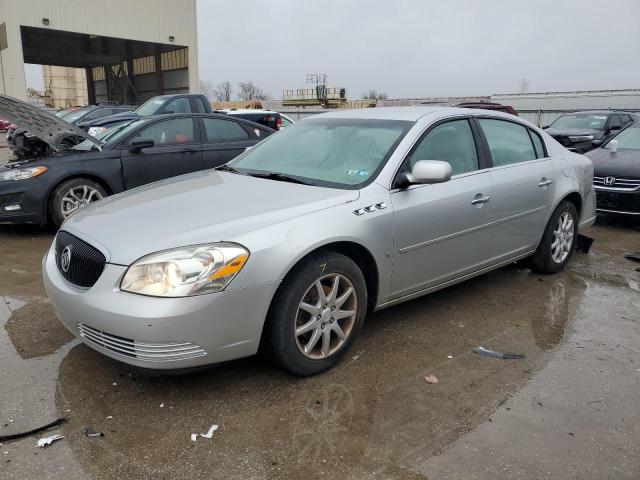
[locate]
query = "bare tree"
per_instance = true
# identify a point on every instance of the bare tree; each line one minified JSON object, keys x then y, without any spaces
{"x":523,"y":85}
{"x":249,"y":91}
{"x":373,"y":94}
{"x":223,"y":91}
{"x":207,"y":89}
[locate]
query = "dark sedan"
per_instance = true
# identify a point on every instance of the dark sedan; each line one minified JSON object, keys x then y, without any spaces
{"x":616,"y":175}
{"x":584,"y":131}
{"x":129,"y":155}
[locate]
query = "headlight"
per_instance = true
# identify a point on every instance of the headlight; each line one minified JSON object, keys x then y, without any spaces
{"x":184,"y":272}
{"x":93,"y":131}
{"x":22,"y":173}
{"x":580,"y":138}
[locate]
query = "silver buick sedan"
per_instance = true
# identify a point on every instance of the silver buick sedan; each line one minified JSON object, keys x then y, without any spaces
{"x":287,"y":247}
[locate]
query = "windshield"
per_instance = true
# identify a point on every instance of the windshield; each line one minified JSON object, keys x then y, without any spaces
{"x":581,"y":120}
{"x":114,"y":133}
{"x":150,"y":107}
{"x":76,"y":114}
{"x":628,"y":139}
{"x":64,"y":112}
{"x":333,"y":152}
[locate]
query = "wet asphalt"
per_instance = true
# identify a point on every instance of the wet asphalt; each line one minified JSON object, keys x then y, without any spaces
{"x":570,"y":409}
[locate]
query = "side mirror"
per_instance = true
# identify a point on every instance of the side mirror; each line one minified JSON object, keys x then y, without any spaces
{"x":616,"y":126}
{"x":613,"y":146}
{"x":429,"y":171}
{"x":140,"y":143}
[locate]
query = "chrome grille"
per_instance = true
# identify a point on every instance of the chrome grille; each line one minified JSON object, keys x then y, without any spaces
{"x":147,"y":351}
{"x":622,"y":184}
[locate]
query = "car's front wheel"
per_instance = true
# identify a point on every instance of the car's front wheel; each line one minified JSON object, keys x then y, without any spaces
{"x":316,"y":313}
{"x":558,"y":240}
{"x":70,"y":196}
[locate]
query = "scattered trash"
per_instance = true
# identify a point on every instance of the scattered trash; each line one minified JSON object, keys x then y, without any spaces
{"x":13,"y":436}
{"x":115,"y":384}
{"x":209,"y":434}
{"x":450,"y":357}
{"x":633,"y":256}
{"x":432,"y":379}
{"x":43,"y":442}
{"x":571,"y":433}
{"x":583,"y":244}
{"x":358,"y":354}
{"x":91,"y":433}
{"x":11,"y":421}
{"x":491,"y":353}
{"x":109,"y":417}
{"x":162,"y":405}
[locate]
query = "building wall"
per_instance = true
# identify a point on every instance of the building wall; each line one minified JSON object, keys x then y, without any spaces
{"x":65,"y":86}
{"x":145,"y":20}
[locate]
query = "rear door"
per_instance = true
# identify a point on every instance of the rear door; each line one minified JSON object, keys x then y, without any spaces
{"x":177,"y":150}
{"x":524,"y":180}
{"x":223,"y":140}
{"x":442,"y":231}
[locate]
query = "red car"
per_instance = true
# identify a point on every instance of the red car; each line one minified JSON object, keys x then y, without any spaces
{"x":6,"y":125}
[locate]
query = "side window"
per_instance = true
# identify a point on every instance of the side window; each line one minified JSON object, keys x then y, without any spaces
{"x":450,"y":142}
{"x":179,"y":105}
{"x":224,"y":130}
{"x":508,"y":142}
{"x":537,"y":144}
{"x":624,"y":119}
{"x":614,"y":120}
{"x":169,"y":132}
{"x":200,"y":105}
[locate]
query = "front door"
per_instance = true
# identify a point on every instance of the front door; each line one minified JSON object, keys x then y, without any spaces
{"x":176,"y":150}
{"x":442,"y":231}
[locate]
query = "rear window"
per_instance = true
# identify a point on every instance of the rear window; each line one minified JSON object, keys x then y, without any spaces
{"x":224,"y":130}
{"x":509,"y":142}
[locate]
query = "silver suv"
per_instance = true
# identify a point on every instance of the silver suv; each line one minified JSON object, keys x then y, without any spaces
{"x":289,"y":245}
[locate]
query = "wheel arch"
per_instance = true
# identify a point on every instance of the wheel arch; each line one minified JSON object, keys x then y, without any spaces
{"x":88,"y":175}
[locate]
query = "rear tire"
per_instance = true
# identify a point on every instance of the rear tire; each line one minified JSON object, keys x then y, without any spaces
{"x":558,"y":241}
{"x":76,"y":192}
{"x":309,"y":329}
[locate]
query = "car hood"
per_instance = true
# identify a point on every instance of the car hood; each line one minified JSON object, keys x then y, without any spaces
{"x":47,"y":127}
{"x":565,"y":132}
{"x":201,"y":207}
{"x":623,"y":163}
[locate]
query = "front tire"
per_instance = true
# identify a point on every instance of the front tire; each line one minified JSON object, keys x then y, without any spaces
{"x":558,"y":241}
{"x":70,"y":196}
{"x":316,"y":314}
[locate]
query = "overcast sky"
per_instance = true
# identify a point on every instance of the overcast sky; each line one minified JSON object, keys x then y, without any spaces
{"x":419,"y":48}
{"x":422,"y":47}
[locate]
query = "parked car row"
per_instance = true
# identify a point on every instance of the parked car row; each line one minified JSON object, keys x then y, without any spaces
{"x":141,"y":150}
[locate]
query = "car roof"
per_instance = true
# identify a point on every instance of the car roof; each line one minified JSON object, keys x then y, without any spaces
{"x":599,"y":112}
{"x":221,"y":116}
{"x":410,"y":113}
{"x":245,"y":110}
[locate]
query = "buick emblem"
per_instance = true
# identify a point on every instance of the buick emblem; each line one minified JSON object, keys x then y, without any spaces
{"x":65,"y":259}
{"x":609,"y":180}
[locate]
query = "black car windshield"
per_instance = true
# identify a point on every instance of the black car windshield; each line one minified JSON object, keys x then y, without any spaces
{"x":76,"y":114}
{"x":588,"y":121}
{"x":150,"y":107}
{"x":332,"y":152}
{"x":112,"y":134}
{"x":628,"y":139}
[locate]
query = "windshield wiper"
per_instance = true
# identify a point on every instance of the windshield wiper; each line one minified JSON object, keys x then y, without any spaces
{"x":282,"y":177}
{"x":227,"y":168}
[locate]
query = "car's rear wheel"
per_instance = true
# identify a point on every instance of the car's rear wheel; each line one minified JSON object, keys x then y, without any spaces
{"x":70,"y":196}
{"x":558,"y":241}
{"x":316,"y":313}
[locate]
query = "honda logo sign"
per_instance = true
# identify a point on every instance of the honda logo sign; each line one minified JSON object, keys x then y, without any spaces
{"x":609,"y":180}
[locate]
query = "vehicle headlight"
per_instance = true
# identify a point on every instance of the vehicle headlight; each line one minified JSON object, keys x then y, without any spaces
{"x":22,"y":173}
{"x":580,"y":138}
{"x":184,"y":272}
{"x":93,"y":131}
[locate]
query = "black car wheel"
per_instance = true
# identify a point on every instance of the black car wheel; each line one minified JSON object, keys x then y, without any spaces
{"x":316,"y":313}
{"x":558,"y":241}
{"x":70,"y":196}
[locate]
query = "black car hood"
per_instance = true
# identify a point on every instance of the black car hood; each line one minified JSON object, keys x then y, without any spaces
{"x":109,"y":119}
{"x":566,"y":132}
{"x":623,"y":163}
{"x":47,"y":127}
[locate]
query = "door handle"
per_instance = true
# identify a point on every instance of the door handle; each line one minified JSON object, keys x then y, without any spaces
{"x":545,"y":182}
{"x":480,"y":200}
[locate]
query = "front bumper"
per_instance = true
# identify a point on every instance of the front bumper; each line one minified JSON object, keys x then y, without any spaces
{"x":159,"y":333}
{"x":618,"y":202}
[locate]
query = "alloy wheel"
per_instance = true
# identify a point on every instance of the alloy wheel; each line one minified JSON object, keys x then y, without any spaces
{"x":77,"y":197}
{"x":562,"y":238}
{"x":326,"y":316}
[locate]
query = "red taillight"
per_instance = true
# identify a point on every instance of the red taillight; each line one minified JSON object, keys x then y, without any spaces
{"x":279,"y":123}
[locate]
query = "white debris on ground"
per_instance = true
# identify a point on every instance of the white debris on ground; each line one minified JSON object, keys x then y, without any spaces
{"x":43,"y":442}
{"x":209,"y":434}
